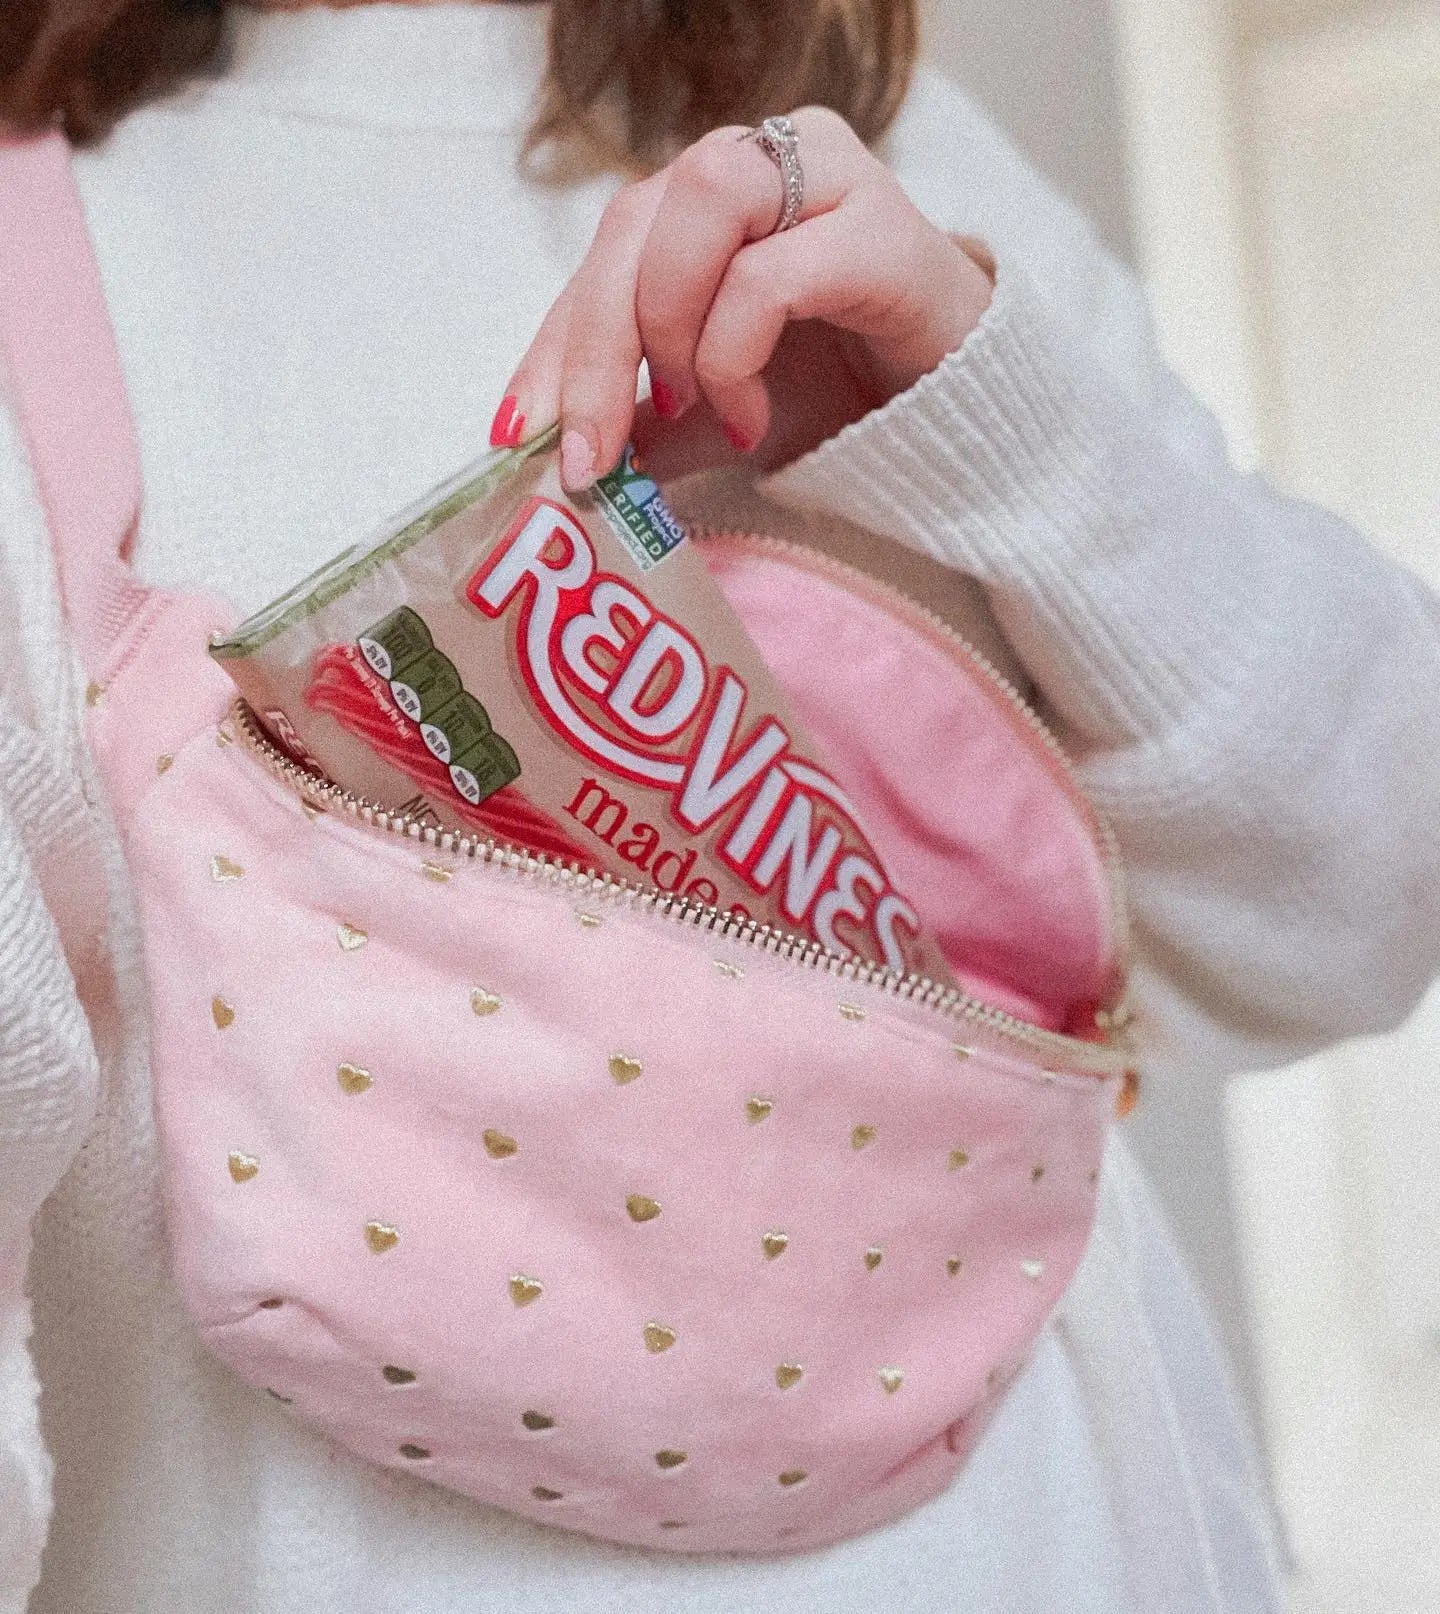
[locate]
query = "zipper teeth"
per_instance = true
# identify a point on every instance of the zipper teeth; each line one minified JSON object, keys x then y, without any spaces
{"x":1103,"y":835}
{"x":1103,"y":1057}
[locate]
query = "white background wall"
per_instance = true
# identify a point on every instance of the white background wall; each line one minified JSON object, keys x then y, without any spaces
{"x":1044,"y":70}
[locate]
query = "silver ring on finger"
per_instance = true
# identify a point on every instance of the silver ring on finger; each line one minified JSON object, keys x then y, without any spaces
{"x":780,"y":141}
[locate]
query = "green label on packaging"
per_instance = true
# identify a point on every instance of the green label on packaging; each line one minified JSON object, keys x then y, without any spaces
{"x":631,"y":503}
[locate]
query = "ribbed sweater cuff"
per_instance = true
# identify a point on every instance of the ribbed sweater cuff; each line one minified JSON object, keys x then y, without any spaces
{"x":1012,"y":462}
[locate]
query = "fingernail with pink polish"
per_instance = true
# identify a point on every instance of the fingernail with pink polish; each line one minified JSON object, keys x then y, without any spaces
{"x":577,"y":460}
{"x":666,"y":404}
{"x":740,"y":441}
{"x":507,"y":425}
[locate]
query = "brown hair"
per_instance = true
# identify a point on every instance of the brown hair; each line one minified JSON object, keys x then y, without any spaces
{"x":635,"y":80}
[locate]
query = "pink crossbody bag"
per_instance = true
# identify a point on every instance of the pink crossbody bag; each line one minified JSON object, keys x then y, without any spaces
{"x":581,"y":1200}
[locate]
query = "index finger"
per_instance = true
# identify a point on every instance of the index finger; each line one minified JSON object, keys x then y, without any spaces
{"x":723,"y":194}
{"x":602,"y":353}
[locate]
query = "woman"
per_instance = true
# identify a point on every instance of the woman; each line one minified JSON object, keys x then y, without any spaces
{"x":321,"y":262}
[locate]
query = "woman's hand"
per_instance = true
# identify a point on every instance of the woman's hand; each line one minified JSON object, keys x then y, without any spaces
{"x":751,"y":337}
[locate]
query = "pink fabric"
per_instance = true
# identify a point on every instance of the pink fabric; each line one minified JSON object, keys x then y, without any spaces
{"x":404,"y":1099}
{"x":409,"y":1151}
{"x":977,"y":819}
{"x":64,"y":382}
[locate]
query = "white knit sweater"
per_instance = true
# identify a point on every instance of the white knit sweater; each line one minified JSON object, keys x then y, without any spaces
{"x":321,"y":269}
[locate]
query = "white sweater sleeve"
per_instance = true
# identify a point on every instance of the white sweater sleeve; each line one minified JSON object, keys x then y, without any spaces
{"x":47,"y":1082}
{"x":1251,"y":690}
{"x":52,"y":921}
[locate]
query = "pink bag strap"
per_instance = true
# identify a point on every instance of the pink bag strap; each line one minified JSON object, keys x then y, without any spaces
{"x":58,"y":352}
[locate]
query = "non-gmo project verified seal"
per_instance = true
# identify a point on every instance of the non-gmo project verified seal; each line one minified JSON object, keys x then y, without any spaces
{"x":632,"y":505}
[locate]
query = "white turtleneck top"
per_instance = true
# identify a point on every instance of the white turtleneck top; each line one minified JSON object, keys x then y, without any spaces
{"x":321,"y":268}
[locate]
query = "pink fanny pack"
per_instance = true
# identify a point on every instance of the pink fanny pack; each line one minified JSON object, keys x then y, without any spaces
{"x":594,"y":1206}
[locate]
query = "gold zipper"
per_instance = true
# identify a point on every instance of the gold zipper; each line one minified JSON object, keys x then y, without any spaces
{"x":1103,"y":1057}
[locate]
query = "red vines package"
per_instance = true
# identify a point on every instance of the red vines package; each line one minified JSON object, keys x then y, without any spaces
{"x":558,"y":673}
